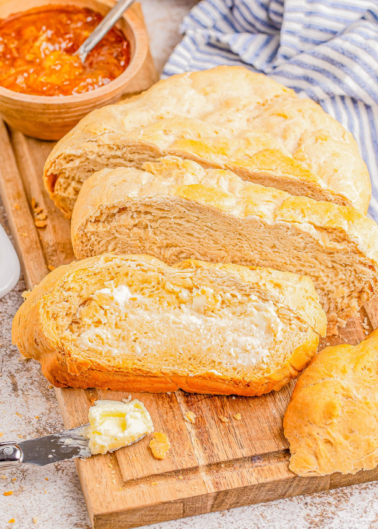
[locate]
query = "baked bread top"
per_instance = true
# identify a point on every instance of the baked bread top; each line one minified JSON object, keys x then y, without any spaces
{"x":227,"y":117}
{"x":176,"y":209}
{"x":127,"y":322}
{"x":332,"y":419}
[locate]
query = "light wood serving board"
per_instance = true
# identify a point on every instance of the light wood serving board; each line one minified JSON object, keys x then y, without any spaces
{"x":211,"y":465}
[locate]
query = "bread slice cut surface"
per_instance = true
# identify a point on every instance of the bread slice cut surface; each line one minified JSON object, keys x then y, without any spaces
{"x":134,"y":323}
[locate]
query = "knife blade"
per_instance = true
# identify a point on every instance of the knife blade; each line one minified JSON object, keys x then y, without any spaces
{"x":45,"y":450}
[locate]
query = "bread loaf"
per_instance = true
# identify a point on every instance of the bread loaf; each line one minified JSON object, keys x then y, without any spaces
{"x":227,"y":117}
{"x":133,"y":323}
{"x":332,"y":419}
{"x":175,"y":209}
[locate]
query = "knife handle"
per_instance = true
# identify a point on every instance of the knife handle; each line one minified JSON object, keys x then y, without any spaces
{"x":10,"y":455}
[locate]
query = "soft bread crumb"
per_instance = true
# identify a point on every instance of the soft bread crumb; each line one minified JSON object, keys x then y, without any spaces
{"x":8,"y":493}
{"x":223,"y":419}
{"x":159,"y":445}
{"x":190,"y":417}
{"x":154,"y":484}
{"x":238,"y":417}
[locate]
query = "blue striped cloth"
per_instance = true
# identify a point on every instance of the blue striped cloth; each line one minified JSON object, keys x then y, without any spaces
{"x":323,"y":49}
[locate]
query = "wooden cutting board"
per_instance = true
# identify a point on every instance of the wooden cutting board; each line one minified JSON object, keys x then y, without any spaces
{"x":212,"y":465}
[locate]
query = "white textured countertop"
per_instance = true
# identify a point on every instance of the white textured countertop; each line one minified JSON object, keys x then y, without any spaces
{"x":52,"y":495}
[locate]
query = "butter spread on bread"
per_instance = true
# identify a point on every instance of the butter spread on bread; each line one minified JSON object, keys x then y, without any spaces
{"x":133,"y":323}
{"x":228,"y":118}
{"x":114,"y":424}
{"x":175,"y":209}
{"x":331,"y":422}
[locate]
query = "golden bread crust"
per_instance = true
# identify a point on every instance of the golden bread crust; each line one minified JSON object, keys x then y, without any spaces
{"x":226,"y":117}
{"x":332,"y":420}
{"x":64,"y":366}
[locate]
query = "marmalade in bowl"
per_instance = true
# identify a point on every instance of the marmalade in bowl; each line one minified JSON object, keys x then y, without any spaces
{"x":37,"y":47}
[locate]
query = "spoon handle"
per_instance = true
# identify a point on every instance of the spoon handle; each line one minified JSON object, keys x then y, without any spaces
{"x":102,"y":29}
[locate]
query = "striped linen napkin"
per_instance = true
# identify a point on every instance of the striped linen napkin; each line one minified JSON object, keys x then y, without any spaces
{"x":326,"y":50}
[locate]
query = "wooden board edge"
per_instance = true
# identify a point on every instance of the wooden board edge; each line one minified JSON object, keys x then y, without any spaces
{"x":19,"y":216}
{"x":228,"y":498}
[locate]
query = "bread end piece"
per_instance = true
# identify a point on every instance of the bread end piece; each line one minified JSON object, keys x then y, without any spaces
{"x":332,"y":419}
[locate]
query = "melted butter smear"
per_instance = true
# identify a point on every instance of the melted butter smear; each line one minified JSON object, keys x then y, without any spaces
{"x":37,"y":47}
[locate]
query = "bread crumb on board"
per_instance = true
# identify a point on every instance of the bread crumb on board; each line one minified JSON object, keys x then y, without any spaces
{"x":190,"y":416}
{"x":40,"y":223}
{"x":39,"y":215}
{"x":238,"y":417}
{"x":51,"y":267}
{"x":223,"y":419}
{"x":159,"y":445}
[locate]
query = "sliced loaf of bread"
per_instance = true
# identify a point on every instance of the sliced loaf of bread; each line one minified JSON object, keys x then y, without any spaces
{"x":175,"y":209}
{"x":226,"y":117}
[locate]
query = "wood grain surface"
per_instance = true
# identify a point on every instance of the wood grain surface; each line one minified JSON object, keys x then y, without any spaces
{"x":212,"y":465}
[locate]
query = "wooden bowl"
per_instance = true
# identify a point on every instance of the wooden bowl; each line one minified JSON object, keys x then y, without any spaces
{"x":50,"y":118}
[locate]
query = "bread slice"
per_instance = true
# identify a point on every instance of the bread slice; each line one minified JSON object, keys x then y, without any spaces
{"x":332,"y":419}
{"x":226,"y":117}
{"x":133,"y":323}
{"x":177,"y":210}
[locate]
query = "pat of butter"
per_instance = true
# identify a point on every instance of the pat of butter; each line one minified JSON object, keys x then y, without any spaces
{"x":113,"y":424}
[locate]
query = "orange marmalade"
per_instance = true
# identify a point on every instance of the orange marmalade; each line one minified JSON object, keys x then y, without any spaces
{"x":37,"y":47}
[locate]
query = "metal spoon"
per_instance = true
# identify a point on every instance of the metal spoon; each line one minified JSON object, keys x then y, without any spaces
{"x":102,"y":29}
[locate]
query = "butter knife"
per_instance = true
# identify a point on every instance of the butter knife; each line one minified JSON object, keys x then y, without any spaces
{"x":45,"y":450}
